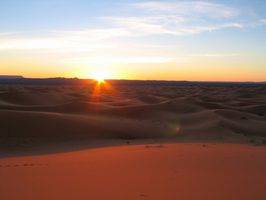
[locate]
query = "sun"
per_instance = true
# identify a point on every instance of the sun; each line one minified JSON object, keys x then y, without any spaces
{"x":100,"y":75}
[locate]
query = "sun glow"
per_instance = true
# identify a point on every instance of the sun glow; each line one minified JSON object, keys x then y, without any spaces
{"x":100,"y":75}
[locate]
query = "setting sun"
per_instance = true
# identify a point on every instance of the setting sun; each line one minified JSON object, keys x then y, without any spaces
{"x":100,"y":75}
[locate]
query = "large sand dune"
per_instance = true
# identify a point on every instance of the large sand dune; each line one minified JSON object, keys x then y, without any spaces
{"x":157,"y":172}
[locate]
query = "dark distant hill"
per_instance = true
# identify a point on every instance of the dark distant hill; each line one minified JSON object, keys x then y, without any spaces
{"x":10,"y":77}
{"x":41,"y":81}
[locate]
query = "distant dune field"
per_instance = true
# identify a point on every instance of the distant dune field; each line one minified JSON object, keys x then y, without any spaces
{"x":31,"y":114}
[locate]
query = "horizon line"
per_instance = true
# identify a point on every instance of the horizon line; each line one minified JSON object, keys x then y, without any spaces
{"x":122,"y":79}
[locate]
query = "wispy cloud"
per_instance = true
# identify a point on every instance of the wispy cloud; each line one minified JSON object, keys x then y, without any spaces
{"x":61,"y":41}
{"x":2,"y":34}
{"x":262,"y":21}
{"x":176,"y":18}
{"x":123,"y":60}
{"x":93,"y":34}
{"x":138,"y":26}
{"x":188,"y":8}
{"x":150,"y":18}
{"x":215,"y":55}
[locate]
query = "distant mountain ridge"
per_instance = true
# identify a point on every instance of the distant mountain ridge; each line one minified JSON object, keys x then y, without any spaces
{"x":10,"y":77}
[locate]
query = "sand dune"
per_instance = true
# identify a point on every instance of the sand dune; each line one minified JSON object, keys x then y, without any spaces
{"x":133,"y":112}
{"x":179,"y":171}
{"x":44,"y":124}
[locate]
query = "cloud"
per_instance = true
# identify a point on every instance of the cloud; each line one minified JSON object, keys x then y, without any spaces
{"x":93,"y":39}
{"x":176,"y":18}
{"x":210,"y":55}
{"x":189,"y":8}
{"x":60,"y":41}
{"x":150,"y":18}
{"x":122,"y":60}
{"x":28,"y":43}
{"x":96,"y":34}
{"x":7,"y":33}
{"x":139,"y":26}
{"x":262,"y":21}
{"x":188,"y":30}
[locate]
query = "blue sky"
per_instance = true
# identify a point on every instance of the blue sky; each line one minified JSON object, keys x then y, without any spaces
{"x":135,"y":39}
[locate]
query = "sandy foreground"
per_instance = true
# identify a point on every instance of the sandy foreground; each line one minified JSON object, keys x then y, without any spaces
{"x":168,"y":171}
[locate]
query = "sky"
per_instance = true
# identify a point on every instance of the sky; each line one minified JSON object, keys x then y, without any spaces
{"x":208,"y":40}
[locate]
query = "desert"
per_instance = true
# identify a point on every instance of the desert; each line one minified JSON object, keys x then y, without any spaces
{"x":71,"y":141}
{"x":132,"y":99}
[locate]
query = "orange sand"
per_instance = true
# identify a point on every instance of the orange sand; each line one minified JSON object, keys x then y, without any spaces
{"x":176,"y":171}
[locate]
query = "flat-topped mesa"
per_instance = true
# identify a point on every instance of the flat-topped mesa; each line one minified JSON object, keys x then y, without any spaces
{"x":10,"y":77}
